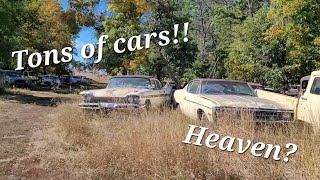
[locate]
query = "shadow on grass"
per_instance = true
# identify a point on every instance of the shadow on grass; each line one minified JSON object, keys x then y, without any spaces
{"x":68,"y":89}
{"x":23,"y":98}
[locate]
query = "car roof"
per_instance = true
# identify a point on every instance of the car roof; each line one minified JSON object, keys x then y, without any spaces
{"x":132,"y":76}
{"x":8,"y":71}
{"x":254,"y":84}
{"x":220,"y":80}
{"x":305,"y":78}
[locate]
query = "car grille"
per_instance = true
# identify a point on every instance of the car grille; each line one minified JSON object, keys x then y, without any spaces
{"x":108,"y":100}
{"x":255,"y":113}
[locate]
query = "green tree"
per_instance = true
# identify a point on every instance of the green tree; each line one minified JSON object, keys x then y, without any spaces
{"x":297,"y":24}
{"x":174,"y":60}
{"x":124,"y":22}
{"x":250,"y":56}
{"x":10,"y":20}
{"x":47,"y":27}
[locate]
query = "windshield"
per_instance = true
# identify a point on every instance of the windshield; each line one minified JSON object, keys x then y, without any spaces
{"x":226,"y":88}
{"x":141,"y":83}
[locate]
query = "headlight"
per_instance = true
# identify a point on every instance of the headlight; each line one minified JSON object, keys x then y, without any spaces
{"x":133,"y":99}
{"x":287,"y":116}
{"x":87,"y":97}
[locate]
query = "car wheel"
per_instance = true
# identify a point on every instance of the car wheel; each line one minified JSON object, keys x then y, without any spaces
{"x":202,"y":116}
{"x":177,"y":107}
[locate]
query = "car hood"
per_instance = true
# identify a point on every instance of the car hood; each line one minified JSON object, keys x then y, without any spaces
{"x":246,"y":102}
{"x":114,"y":92}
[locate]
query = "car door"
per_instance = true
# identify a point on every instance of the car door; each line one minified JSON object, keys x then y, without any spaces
{"x":309,"y":108}
{"x":189,"y":103}
{"x":157,"y":94}
{"x":310,"y":102}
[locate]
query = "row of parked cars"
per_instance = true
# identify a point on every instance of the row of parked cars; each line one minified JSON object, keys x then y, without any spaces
{"x":209,"y":99}
{"x":53,"y":80}
{"x":16,"y":79}
{"x":203,"y":99}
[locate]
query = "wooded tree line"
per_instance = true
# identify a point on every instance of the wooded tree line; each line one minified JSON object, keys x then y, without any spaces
{"x":36,"y":26}
{"x":269,"y":42}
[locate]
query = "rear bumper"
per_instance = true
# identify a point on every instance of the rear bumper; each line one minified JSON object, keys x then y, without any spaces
{"x":109,"y":106}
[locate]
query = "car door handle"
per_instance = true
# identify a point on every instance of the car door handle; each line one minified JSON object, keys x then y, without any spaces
{"x":304,"y":99}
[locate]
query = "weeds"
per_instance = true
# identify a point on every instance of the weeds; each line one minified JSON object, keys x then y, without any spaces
{"x":148,"y":145}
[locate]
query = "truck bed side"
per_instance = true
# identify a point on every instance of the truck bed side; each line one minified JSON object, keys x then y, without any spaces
{"x":279,"y":98}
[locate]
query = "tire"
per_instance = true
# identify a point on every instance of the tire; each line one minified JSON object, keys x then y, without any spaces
{"x":202,"y":116}
{"x":177,"y":107}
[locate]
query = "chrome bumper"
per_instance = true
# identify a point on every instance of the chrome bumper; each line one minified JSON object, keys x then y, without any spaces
{"x":258,"y":115}
{"x":109,"y":106}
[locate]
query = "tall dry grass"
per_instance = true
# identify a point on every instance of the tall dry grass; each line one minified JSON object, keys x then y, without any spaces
{"x":148,"y":145}
{"x":2,"y":89}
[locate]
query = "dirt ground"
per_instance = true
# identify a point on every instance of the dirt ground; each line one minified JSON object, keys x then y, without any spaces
{"x":23,"y":113}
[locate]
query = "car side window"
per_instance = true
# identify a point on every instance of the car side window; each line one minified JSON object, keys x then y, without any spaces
{"x":189,"y":86}
{"x":159,"y":85}
{"x":193,"y":87}
{"x":315,"y":89}
{"x":154,"y":84}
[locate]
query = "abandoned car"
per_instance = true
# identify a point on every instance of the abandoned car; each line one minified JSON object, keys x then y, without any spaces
{"x":127,"y":92}
{"x":13,"y":79}
{"x":209,"y":99}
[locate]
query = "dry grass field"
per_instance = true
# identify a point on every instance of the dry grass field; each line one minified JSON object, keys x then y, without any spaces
{"x":63,"y":142}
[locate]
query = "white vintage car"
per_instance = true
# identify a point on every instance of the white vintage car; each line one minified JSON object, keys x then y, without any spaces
{"x":127,"y":92}
{"x":208,"y":99}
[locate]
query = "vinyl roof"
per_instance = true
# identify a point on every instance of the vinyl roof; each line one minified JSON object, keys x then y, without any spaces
{"x":221,"y":80}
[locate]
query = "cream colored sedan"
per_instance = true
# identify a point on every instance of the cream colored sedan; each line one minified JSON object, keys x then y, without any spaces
{"x":207,"y":99}
{"x":127,"y":92}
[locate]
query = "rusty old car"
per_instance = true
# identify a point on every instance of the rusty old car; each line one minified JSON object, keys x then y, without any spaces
{"x":209,"y":99}
{"x":127,"y":92}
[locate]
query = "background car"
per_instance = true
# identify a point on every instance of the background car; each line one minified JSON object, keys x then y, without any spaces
{"x":13,"y":79}
{"x":65,"y":79}
{"x":78,"y":80}
{"x":50,"y":80}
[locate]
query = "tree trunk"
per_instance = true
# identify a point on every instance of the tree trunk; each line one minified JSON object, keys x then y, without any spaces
{"x":44,"y":68}
{"x":124,"y":71}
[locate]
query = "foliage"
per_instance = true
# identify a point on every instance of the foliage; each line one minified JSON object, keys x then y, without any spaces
{"x":124,"y":22}
{"x":36,"y":26}
{"x":250,"y":57}
{"x":173,"y":60}
{"x":10,"y":33}
{"x":297,"y":24}
{"x":49,"y":29}
{"x":274,"y":42}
